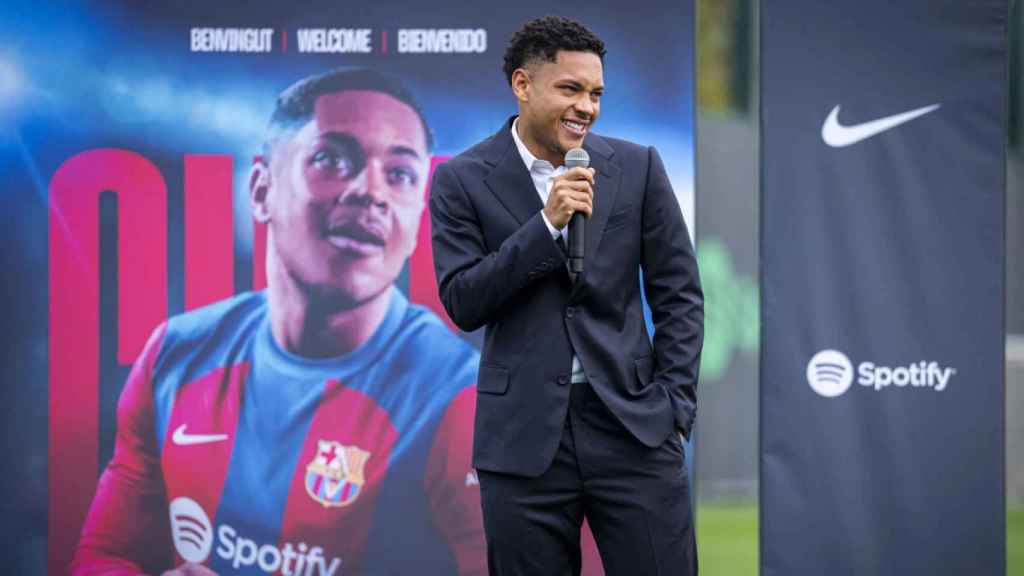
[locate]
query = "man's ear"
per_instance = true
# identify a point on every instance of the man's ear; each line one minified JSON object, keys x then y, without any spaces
{"x":521,"y":84}
{"x":259,"y":190}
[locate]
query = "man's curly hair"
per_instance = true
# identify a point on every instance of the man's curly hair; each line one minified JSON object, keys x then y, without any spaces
{"x":542,"y":38}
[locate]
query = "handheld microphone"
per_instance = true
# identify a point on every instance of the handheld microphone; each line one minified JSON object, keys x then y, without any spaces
{"x":577,"y":224}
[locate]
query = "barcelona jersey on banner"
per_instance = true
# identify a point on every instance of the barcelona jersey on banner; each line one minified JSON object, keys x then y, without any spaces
{"x":233,"y":453}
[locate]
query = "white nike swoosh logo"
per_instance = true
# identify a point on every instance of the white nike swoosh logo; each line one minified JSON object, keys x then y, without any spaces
{"x":836,"y":135}
{"x":182,"y":439}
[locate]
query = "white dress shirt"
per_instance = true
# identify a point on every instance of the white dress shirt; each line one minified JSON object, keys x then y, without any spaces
{"x":543,"y":174}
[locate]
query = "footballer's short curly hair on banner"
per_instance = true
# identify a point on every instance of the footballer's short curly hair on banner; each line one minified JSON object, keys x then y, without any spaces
{"x":541,"y":39}
{"x":295,"y":105}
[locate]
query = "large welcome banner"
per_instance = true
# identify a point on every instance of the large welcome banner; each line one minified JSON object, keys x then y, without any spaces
{"x":882,"y":235}
{"x":129,"y":134}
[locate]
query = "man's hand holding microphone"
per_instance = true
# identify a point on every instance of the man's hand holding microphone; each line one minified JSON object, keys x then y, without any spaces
{"x":572,"y":191}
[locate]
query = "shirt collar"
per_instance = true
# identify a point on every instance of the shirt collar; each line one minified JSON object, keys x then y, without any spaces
{"x":533,"y":164}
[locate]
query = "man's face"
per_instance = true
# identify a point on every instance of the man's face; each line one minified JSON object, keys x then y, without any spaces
{"x":346,"y":194}
{"x":560,"y":101}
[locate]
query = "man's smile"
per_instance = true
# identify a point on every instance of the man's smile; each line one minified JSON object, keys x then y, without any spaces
{"x":575,"y":126}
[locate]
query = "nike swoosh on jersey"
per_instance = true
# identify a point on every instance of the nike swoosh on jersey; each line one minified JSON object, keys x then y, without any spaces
{"x":836,"y":135}
{"x":182,"y":439}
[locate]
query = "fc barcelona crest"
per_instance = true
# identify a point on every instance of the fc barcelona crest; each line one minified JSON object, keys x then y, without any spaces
{"x":336,"y":475}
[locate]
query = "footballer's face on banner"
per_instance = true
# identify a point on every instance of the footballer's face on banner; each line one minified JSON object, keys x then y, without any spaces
{"x":346,"y":194}
{"x":559,"y":102}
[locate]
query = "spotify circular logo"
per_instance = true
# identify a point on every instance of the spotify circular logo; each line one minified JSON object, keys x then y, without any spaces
{"x":830,"y":373}
{"x":191,"y":530}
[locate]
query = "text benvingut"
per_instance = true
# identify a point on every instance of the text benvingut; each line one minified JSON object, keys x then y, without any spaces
{"x":232,"y":39}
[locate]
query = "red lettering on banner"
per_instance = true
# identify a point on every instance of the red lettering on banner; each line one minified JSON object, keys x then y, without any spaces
{"x":209,"y":241}
{"x":74,"y":323}
{"x":422,"y":280}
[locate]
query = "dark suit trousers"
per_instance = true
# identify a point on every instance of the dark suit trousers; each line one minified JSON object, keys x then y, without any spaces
{"x":636,"y":499}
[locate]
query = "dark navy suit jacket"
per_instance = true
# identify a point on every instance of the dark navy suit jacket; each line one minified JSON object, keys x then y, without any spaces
{"x":499,"y":268}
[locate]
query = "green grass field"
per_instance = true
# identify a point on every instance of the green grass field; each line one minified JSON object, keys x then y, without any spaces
{"x":727,"y":540}
{"x":1015,"y":542}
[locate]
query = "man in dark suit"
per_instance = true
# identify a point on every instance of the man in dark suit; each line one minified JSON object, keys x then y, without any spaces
{"x":578,"y":413}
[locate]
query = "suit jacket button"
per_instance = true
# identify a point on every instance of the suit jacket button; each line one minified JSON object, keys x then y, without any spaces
{"x":563,"y":380}
{"x":570,"y":312}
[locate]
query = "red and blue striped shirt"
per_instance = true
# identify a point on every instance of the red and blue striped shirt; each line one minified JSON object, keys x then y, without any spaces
{"x":233,"y":453}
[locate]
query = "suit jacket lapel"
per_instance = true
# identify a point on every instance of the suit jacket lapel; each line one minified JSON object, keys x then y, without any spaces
{"x":511,"y":184}
{"x":606,"y":187}
{"x":510,"y":181}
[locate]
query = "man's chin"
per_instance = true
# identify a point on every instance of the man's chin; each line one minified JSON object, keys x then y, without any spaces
{"x":351,"y":292}
{"x":561,"y":147}
{"x":567,"y":144}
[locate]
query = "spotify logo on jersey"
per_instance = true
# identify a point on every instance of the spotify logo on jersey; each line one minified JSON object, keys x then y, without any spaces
{"x":193,"y":536}
{"x":190,"y":530}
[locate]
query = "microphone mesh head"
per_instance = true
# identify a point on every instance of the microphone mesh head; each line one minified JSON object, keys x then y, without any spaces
{"x":577,"y":157}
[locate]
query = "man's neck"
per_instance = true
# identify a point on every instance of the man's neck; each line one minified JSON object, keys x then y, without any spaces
{"x":316,"y":327}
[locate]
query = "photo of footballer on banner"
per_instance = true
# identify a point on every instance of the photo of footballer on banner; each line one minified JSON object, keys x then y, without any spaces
{"x":227,"y":303}
{"x":328,"y":394}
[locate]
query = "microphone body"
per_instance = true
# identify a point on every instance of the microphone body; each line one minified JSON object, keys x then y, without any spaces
{"x":578,"y":222}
